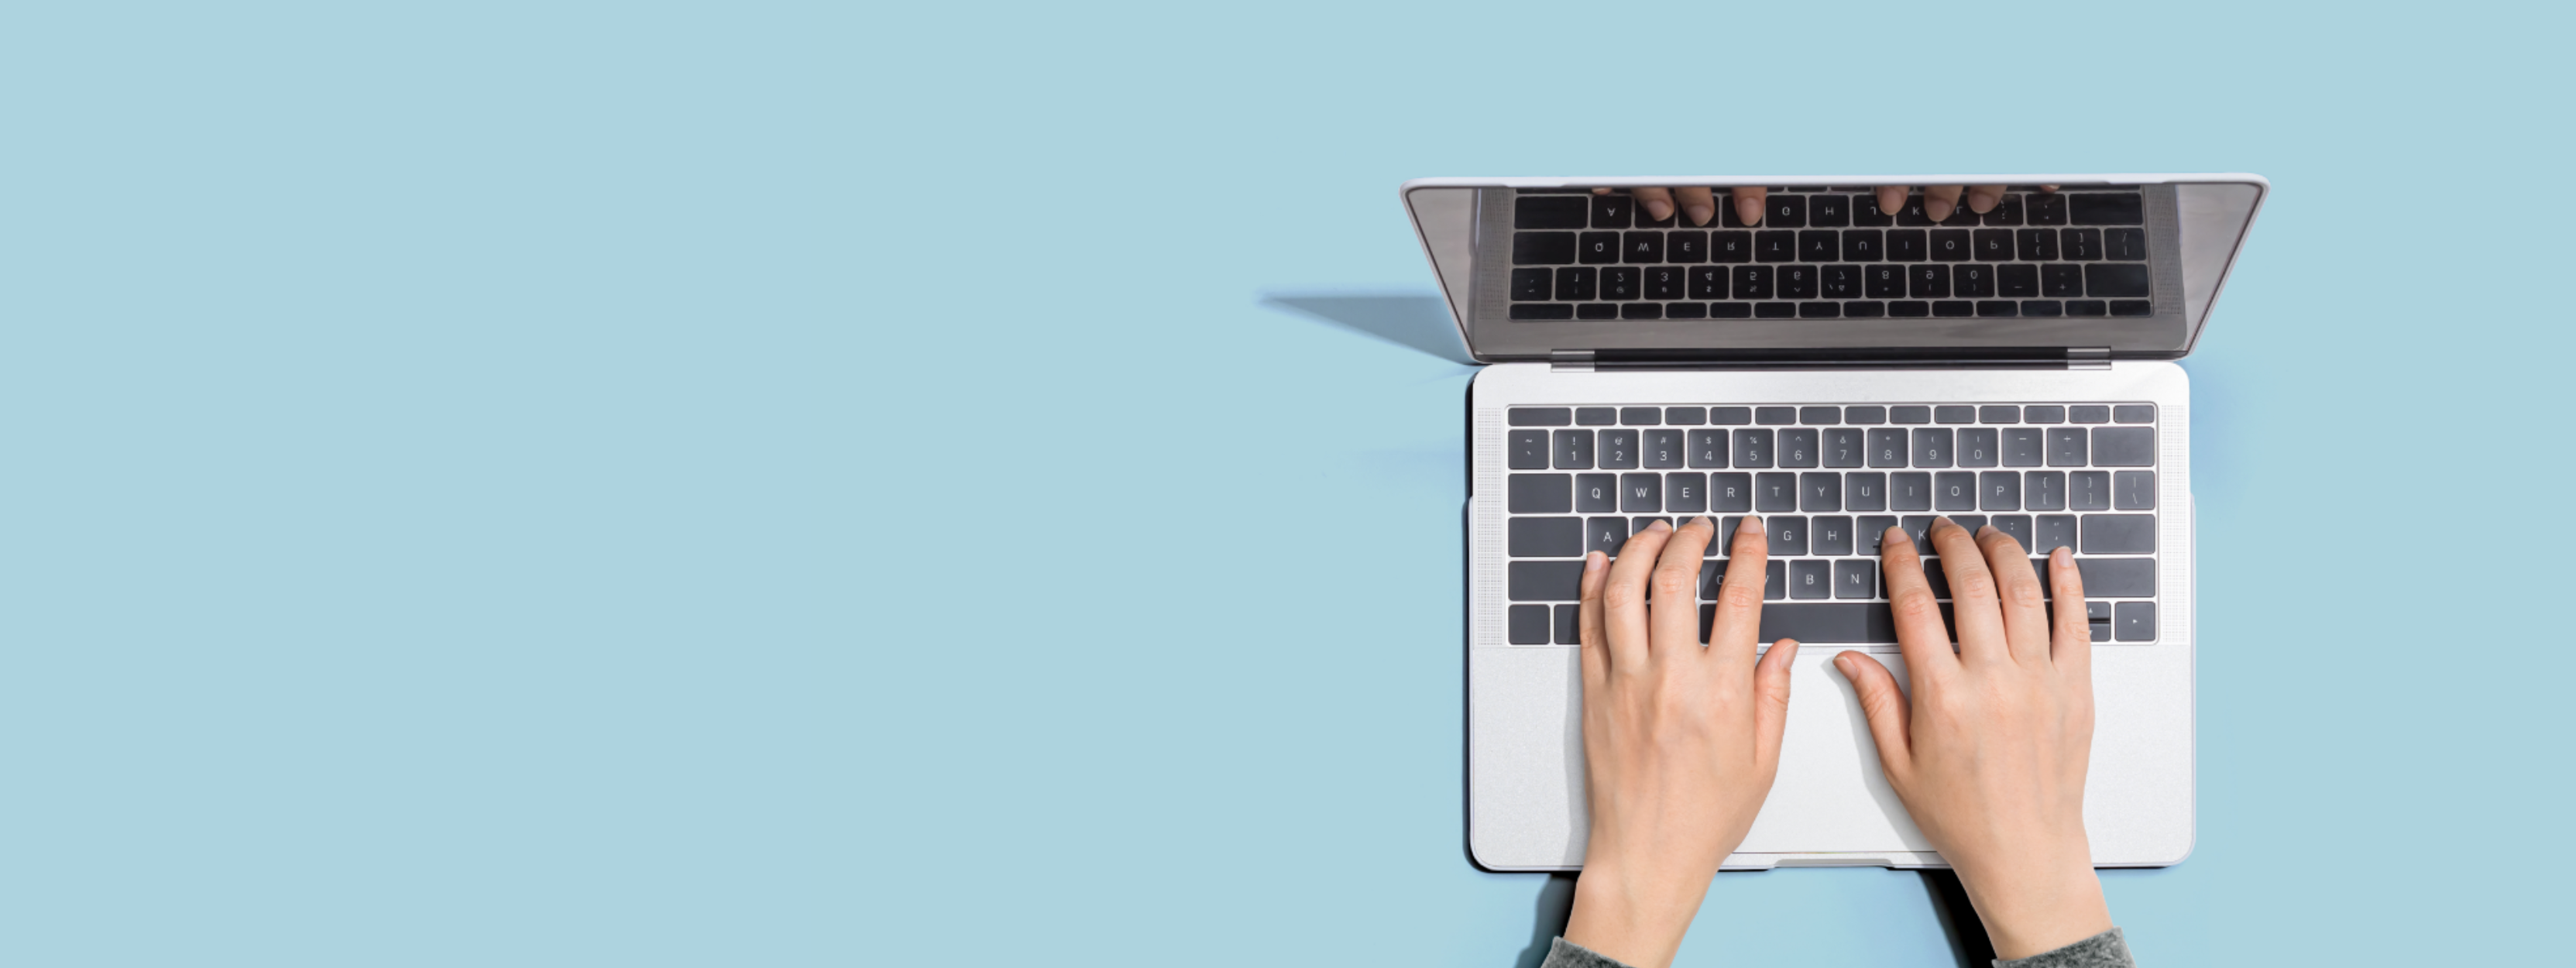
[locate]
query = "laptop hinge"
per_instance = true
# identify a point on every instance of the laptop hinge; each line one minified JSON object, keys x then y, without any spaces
{"x":1570,"y":361}
{"x":2088,"y":357}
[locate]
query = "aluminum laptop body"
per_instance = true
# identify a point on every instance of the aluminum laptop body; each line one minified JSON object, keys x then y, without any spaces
{"x":1707,"y":347}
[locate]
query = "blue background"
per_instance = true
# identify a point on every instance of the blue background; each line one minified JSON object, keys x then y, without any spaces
{"x":794,"y":484}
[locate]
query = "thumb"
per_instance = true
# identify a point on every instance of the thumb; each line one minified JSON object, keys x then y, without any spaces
{"x":1771,"y":699}
{"x":1885,"y":706}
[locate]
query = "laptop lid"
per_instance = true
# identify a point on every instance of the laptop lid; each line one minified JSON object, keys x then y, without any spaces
{"x":1498,"y":244}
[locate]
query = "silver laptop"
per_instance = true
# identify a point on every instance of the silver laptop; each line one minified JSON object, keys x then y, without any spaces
{"x":1837,"y":369}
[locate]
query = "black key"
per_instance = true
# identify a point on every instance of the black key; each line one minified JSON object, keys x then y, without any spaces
{"x":2133,"y":490}
{"x":1865,"y":491}
{"x":1596,"y":311}
{"x":1811,"y":579}
{"x":2119,"y":534}
{"x":1954,"y":308}
{"x":2125,"y":244}
{"x":2017,"y":527}
{"x":1546,"y":537}
{"x":1686,"y":247}
{"x":1775,"y":492}
{"x":1638,"y":525}
{"x":1839,"y":282}
{"x":1618,"y":450}
{"x":2134,"y":413}
{"x":2022,"y":447}
{"x":2081,"y":244}
{"x":1598,"y":248}
{"x":1541,"y":416}
{"x":1865,"y":310}
{"x":1531,"y":284}
{"x":1913,"y":213}
{"x":1546,"y":581}
{"x":2044,"y":490}
{"x":1528,"y":450}
{"x":2047,"y":208}
{"x":1864,"y":245}
{"x":1785,"y":212}
{"x":1855,"y":579}
{"x":2088,"y":490}
{"x":1712,"y":576}
{"x":2092,"y":208}
{"x":1951,"y":245}
{"x":2132,"y":307}
{"x":1529,"y":625}
{"x":2002,"y":307}
{"x":2054,"y":531}
{"x":2036,"y":245}
{"x":1974,"y":281}
{"x":1907,"y":245}
{"x":1775,"y":581}
{"x":1549,"y":212}
{"x":1977,"y":447}
{"x":2006,"y":212}
{"x":2061,"y":280}
{"x":1752,"y":282}
{"x":1641,"y":416}
{"x":1865,"y":415}
{"x":1542,"y":311}
{"x":1780,"y":246}
{"x":1612,"y":211}
{"x":1775,"y":416}
{"x":2135,"y":622}
{"x":1642,"y":247}
{"x":1730,"y":246}
{"x":1927,"y":282}
{"x":1887,"y":448}
{"x":1660,"y":448}
{"x":1999,"y":414}
{"x":1798,"y":447}
{"x":1540,"y":494}
{"x":1787,"y":534}
{"x":1641,"y":493}
{"x":1933,"y":573}
{"x":1642,"y":311}
{"x":1884,"y":282}
{"x":2085,"y":307}
{"x":1753,"y":448}
{"x":1647,"y":220}
{"x":1834,"y":623}
{"x":1820,"y":492}
{"x":1868,"y":532}
{"x":2115,"y":577}
{"x":2097,"y":615}
{"x":1708,"y":282}
{"x":1999,"y":491}
{"x":1819,"y":245}
{"x":1909,"y":491}
{"x":1993,"y":245}
{"x":1832,"y":535}
{"x":1686,"y":492}
{"x":1931,"y":448}
{"x":1865,"y":211}
{"x":1568,"y":625}
{"x":2017,"y":281}
{"x":1604,"y":535}
{"x":2115,"y":280}
{"x":1969,"y":522}
{"x":1542,"y":248}
{"x":2044,"y":415}
{"x":1578,"y":283}
{"x":1665,"y":282}
{"x":2088,"y":414}
{"x":1909,"y":415}
{"x":1842,"y":447}
{"x":1730,"y":415}
{"x":1686,"y":416}
{"x":1596,"y":493}
{"x":1730,"y":492}
{"x":1831,"y":211}
{"x":1620,"y":282}
{"x":1797,"y":282}
{"x":1961,"y":216}
{"x":1573,"y":449}
{"x":2066,"y":447}
{"x":1954,"y":491}
{"x":1707,"y":448}
{"x":2124,"y":446}
{"x":1918,"y":527}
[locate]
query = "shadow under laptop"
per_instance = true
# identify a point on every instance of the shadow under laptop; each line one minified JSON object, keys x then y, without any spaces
{"x":1967,"y":935}
{"x":1417,"y":322}
{"x":1555,"y":907}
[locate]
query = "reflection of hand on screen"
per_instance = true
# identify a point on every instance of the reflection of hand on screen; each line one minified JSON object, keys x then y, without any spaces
{"x":1699,"y":205}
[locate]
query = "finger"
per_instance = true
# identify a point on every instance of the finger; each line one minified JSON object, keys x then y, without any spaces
{"x":1748,"y":203}
{"x":1885,"y":706}
{"x":2025,"y":611}
{"x":1972,"y":594}
{"x":1600,"y":191}
{"x":1675,"y":607}
{"x":1919,"y":632}
{"x":1658,"y":202}
{"x":1623,"y":598}
{"x":1891,"y":198}
{"x":1984,"y":198}
{"x":1699,"y":204}
{"x":1739,"y":597}
{"x":2073,"y":651}
{"x":1941,"y":200}
{"x":2048,"y":188}
{"x":1771,"y":701}
{"x":1587,"y":624}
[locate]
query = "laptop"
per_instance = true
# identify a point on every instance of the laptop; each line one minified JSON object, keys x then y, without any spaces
{"x":1837,"y":369}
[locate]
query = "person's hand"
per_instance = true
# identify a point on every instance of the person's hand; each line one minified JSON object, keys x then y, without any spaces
{"x":1989,"y":752}
{"x":1699,"y":205}
{"x":1680,"y":740}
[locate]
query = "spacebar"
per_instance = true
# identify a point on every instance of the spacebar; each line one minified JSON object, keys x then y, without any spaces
{"x":1840,"y":622}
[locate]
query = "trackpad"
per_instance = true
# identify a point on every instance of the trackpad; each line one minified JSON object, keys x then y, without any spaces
{"x":1830,"y":796}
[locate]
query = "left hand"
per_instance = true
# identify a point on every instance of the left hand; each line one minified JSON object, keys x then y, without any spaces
{"x":1680,"y":740}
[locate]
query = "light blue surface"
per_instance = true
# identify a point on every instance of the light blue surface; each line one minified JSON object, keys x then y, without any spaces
{"x":779,"y":485}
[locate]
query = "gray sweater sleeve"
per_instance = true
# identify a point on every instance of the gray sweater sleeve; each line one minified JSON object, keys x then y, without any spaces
{"x":2105,"y":950}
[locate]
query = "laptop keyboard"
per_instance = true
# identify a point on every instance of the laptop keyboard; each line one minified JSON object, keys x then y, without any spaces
{"x":1829,"y":254}
{"x":1827,"y":481}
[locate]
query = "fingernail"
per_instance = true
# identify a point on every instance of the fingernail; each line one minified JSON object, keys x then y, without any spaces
{"x":1593,"y":560}
{"x":2062,"y":555}
{"x":1659,"y":525}
{"x":1703,"y":519}
{"x":1896,"y":534}
{"x":1700,"y":214}
{"x":1659,"y":209}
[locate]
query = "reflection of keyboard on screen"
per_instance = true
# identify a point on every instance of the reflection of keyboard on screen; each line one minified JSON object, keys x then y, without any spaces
{"x":1830,"y":253}
{"x":1827,"y":482}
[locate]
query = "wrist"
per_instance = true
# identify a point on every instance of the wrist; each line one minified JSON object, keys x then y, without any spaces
{"x":1637,"y":918}
{"x":2030,"y":912}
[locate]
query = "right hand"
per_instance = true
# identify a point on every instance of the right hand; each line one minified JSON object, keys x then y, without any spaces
{"x":1989,"y":753}
{"x":1699,"y":205}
